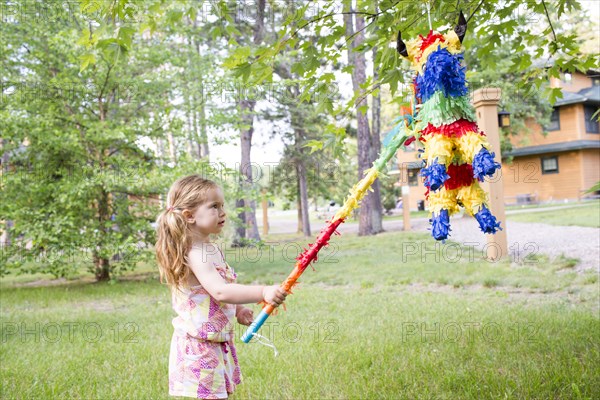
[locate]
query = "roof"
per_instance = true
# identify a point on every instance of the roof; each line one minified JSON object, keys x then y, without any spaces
{"x":414,"y":164}
{"x":554,"y":148}
{"x":587,"y":95}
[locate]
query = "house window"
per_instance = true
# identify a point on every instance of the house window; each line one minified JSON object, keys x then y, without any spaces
{"x":413,"y":177}
{"x":567,"y":78}
{"x":595,"y":81}
{"x":550,"y":165}
{"x":591,"y":124}
{"x":554,"y":120}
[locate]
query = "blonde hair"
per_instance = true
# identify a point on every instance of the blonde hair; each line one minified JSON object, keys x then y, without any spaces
{"x":173,"y":235}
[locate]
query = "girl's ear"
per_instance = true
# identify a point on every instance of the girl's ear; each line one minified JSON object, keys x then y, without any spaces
{"x":189,"y":217}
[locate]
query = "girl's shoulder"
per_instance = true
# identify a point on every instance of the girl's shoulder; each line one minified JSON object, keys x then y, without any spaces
{"x":210,"y":253}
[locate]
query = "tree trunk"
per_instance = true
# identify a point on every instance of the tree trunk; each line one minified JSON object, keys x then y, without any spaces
{"x":171,"y":141}
{"x":375,"y":196}
{"x":200,"y":112}
{"x":203,"y":145}
{"x":299,"y":206}
{"x":102,"y":268}
{"x":246,"y":108}
{"x":365,"y":222}
{"x":5,"y":237}
{"x":251,"y":230}
{"x":301,"y":172}
{"x":102,"y":264}
{"x":189,"y":108}
{"x":240,"y":229}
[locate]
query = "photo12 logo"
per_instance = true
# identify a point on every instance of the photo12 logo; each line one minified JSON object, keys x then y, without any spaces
{"x":74,"y":91}
{"x":468,"y":331}
{"x":31,"y":12}
{"x":55,"y":332}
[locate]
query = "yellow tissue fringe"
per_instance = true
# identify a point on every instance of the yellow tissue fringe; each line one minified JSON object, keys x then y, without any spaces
{"x":454,"y":45}
{"x":443,"y":200}
{"x":469,"y":145}
{"x":413,"y":48}
{"x":357,"y":192}
{"x":440,"y":147}
{"x":472,"y":197}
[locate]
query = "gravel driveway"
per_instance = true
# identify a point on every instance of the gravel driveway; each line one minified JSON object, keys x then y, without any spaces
{"x":526,"y":238}
{"x":582,"y":243}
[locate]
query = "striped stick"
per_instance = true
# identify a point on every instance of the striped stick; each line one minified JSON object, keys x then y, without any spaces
{"x":352,"y":202}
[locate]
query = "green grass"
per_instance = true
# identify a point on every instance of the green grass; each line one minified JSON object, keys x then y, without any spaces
{"x":378,"y":319}
{"x":580,"y":215}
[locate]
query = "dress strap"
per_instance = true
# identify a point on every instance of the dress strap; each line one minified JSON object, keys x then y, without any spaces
{"x":222,"y":255}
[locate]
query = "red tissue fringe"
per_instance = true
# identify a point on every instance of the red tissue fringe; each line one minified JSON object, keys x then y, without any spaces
{"x":428,"y":40}
{"x":460,"y":175}
{"x":456,"y":129}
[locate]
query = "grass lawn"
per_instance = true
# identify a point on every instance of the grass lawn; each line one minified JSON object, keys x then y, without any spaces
{"x":580,"y":215}
{"x":374,"y":321}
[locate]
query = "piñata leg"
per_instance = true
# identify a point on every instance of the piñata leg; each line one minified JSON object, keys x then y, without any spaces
{"x":473,"y":199}
{"x":474,"y":149}
{"x":442,"y":204}
{"x":438,"y":154}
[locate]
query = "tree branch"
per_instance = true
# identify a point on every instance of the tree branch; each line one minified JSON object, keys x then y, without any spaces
{"x":475,"y":11}
{"x":549,"y":22}
{"x":102,"y":113}
{"x":77,"y":124}
{"x":369,"y":15}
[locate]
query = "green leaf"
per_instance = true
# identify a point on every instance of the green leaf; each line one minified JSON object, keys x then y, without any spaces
{"x":298,"y":68}
{"x":242,"y":53}
{"x":266,"y":74}
{"x":90,"y":6}
{"x":86,"y":60}
{"x":554,"y":94}
{"x":314,"y":145}
{"x":125,"y":35}
{"x":192,"y":13}
{"x":174,"y":16}
{"x":232,"y":30}
{"x":243,"y":70}
{"x":215,"y":32}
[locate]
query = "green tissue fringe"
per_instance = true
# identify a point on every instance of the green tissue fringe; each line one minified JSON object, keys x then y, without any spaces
{"x":390,"y":150}
{"x":442,"y":110}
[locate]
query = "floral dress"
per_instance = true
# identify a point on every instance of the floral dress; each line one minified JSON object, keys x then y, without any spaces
{"x":203,"y":361}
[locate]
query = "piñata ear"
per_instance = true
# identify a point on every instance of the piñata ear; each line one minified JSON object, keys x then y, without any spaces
{"x":461,"y":27}
{"x":400,"y":46}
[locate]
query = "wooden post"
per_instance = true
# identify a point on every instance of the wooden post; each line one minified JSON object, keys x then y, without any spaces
{"x":406,"y":207}
{"x":485,"y":101}
{"x":265,"y":209}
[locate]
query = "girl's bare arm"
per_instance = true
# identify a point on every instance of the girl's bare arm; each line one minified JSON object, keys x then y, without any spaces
{"x":231,"y":293}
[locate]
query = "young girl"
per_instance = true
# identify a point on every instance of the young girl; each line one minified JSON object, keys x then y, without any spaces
{"x":203,"y":361}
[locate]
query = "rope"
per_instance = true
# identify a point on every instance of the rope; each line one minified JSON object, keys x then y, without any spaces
{"x":429,"y":15}
{"x":265,"y":342}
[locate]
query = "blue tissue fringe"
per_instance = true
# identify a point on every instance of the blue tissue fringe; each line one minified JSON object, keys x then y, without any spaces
{"x":443,"y":71}
{"x":484,"y":164}
{"x":487,"y":222}
{"x":440,"y":225}
{"x":435,"y":175}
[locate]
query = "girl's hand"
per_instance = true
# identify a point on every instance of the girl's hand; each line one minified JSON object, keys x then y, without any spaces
{"x":244,"y":316}
{"x":274,"y":295}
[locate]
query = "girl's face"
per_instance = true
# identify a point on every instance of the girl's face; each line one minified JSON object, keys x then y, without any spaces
{"x":209,"y":217}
